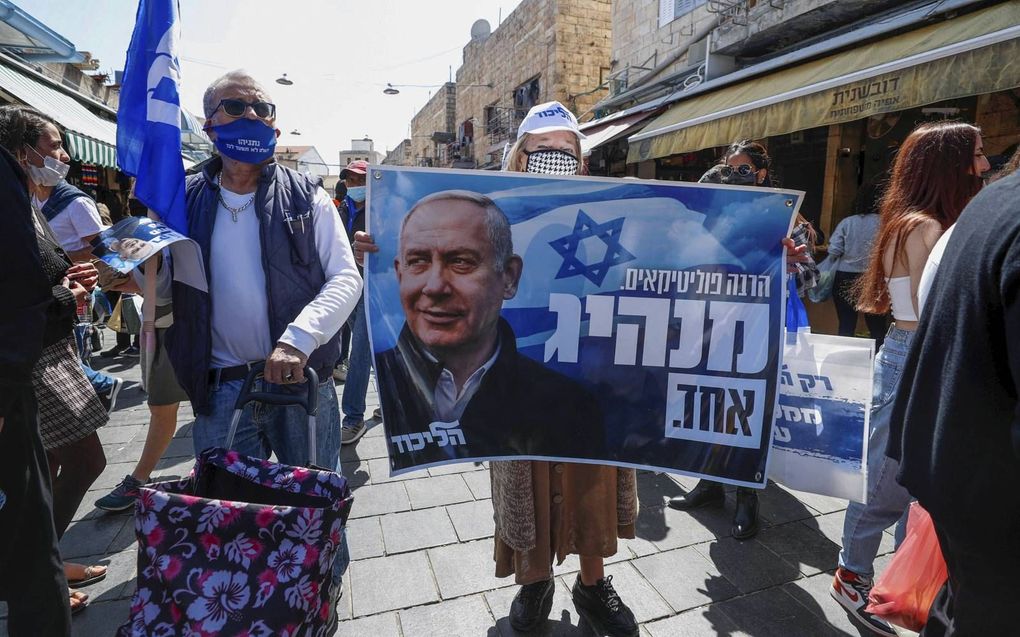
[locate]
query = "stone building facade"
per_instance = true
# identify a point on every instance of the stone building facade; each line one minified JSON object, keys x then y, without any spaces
{"x":400,"y":156}
{"x":544,"y":50}
{"x":433,"y":128}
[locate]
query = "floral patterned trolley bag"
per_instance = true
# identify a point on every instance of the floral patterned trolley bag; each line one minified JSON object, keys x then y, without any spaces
{"x":242,"y":546}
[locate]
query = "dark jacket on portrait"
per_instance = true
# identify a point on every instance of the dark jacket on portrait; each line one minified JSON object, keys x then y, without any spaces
{"x":521,"y":408}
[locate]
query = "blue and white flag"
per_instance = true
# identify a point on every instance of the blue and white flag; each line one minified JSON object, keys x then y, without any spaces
{"x":639,"y":323}
{"x":149,"y":117}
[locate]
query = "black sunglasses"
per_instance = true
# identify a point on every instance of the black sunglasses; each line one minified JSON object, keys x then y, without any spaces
{"x":743,"y":169}
{"x":237,"y":108}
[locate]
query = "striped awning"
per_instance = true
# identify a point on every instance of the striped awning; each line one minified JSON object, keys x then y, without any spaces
{"x":90,"y":151}
{"x":91,"y":139}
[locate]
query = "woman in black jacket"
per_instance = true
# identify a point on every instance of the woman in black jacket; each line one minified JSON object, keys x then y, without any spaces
{"x":69,"y":410}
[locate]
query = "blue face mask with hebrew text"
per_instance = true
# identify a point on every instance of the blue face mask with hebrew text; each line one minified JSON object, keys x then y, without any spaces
{"x":246,"y":140}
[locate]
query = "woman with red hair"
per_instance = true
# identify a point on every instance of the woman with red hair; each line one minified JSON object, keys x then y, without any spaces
{"x":935,"y":173}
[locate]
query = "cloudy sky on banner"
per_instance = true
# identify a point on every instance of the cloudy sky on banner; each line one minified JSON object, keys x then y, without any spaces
{"x":339,"y":53}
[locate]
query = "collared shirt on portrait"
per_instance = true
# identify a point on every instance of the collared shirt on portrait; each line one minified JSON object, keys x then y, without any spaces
{"x":449,"y":404}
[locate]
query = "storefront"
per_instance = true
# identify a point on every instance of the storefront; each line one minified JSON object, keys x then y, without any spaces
{"x":833,"y":124}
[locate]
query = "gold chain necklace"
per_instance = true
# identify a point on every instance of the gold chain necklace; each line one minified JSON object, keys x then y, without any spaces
{"x":233,"y":211}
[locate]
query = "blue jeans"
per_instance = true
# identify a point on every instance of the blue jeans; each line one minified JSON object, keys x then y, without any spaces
{"x":887,"y":500}
{"x":359,"y":366}
{"x":101,"y":383}
{"x":265,"y":429}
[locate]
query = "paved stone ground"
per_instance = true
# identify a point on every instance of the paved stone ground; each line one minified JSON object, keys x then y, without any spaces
{"x":422,"y":551}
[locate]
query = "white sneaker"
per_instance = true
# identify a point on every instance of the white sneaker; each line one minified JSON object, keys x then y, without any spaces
{"x":851,"y":591}
{"x":349,"y":434}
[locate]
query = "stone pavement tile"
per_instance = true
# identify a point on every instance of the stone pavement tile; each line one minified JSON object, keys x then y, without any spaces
{"x":118,"y":435}
{"x":813,"y":594}
{"x":777,"y":506}
{"x":635,"y":591}
{"x":749,"y":565}
{"x":379,"y":468}
{"x":111,"y":476}
{"x":699,"y":622}
{"x":472,"y":520}
{"x":101,"y":619}
{"x":376,"y":499}
{"x":655,"y":488}
{"x":685,"y":578}
{"x":800,"y":545}
{"x":668,"y":528}
{"x":638,"y":547}
{"x":480,"y":484}
{"x":387,"y":583}
{"x":438,"y":491}
{"x":364,"y":449}
{"x":120,"y":569}
{"x":343,"y":609}
{"x":831,"y":526}
{"x":773,"y":613}
{"x":463,"y":569}
{"x":126,"y":539}
{"x":131,"y":451}
{"x":684,"y":482}
{"x":457,"y":467}
{"x":821,"y":503}
{"x":91,"y":537}
{"x":357,"y":472}
{"x":415,"y":530}
{"x":168,"y":468}
{"x":365,"y":538}
{"x":464,"y":617}
{"x":563,"y":619}
{"x":385,"y":625}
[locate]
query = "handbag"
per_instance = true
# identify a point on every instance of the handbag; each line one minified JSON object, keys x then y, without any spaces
{"x":826,"y":278}
{"x":116,"y":322}
{"x":904,"y":593}
{"x":131,"y":313}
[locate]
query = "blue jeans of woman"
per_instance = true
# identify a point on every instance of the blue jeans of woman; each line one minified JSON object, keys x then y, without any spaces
{"x":888,"y":502}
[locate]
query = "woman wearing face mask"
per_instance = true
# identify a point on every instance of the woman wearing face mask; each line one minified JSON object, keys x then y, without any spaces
{"x":69,"y":410}
{"x":936,"y":172}
{"x":746,"y":163}
{"x":546,"y":511}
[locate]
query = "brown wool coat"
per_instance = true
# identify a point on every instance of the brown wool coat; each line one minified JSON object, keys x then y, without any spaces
{"x":546,"y":510}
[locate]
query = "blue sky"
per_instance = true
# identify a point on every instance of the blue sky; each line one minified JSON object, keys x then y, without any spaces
{"x":339,"y":53}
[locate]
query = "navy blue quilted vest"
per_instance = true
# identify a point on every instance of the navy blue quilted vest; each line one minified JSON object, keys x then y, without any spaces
{"x":294,"y":274}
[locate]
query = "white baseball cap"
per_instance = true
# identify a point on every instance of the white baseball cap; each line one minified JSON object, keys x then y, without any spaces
{"x":548,"y":117}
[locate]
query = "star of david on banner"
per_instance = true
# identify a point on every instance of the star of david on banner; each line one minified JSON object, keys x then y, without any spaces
{"x":584,"y":227}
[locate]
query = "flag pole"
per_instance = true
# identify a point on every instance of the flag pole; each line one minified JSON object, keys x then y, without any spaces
{"x":149,"y":308}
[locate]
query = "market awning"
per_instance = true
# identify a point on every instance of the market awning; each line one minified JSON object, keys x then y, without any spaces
{"x":969,"y":55}
{"x":599,"y":133}
{"x":90,"y":138}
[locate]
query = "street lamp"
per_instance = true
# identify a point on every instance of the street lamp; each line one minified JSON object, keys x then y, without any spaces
{"x":391,"y":89}
{"x":283,"y":79}
{"x":295,"y":132}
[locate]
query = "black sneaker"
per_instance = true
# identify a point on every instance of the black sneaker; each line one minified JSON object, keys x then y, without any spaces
{"x":603,"y":609}
{"x":110,"y":399}
{"x":531,"y":606}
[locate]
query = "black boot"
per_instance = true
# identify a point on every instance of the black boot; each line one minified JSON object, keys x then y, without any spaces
{"x":705,"y":493}
{"x":531,"y":606}
{"x":745,"y":519}
{"x":603,"y":609}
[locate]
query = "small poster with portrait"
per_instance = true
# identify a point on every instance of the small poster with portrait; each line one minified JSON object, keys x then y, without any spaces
{"x":636,"y":323}
{"x":128,"y":243}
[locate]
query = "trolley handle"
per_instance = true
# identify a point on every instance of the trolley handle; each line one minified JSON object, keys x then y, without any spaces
{"x":309,"y":401}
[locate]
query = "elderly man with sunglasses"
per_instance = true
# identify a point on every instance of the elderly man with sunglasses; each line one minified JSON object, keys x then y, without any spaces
{"x":282,"y":282}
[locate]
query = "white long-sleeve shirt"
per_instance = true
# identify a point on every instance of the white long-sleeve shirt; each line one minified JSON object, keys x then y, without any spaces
{"x":237,"y":285}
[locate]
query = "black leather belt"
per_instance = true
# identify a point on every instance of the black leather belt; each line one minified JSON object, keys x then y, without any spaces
{"x":227,"y":374}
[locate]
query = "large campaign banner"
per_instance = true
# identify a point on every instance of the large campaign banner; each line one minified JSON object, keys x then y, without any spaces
{"x":822,"y":419}
{"x":629,"y":322}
